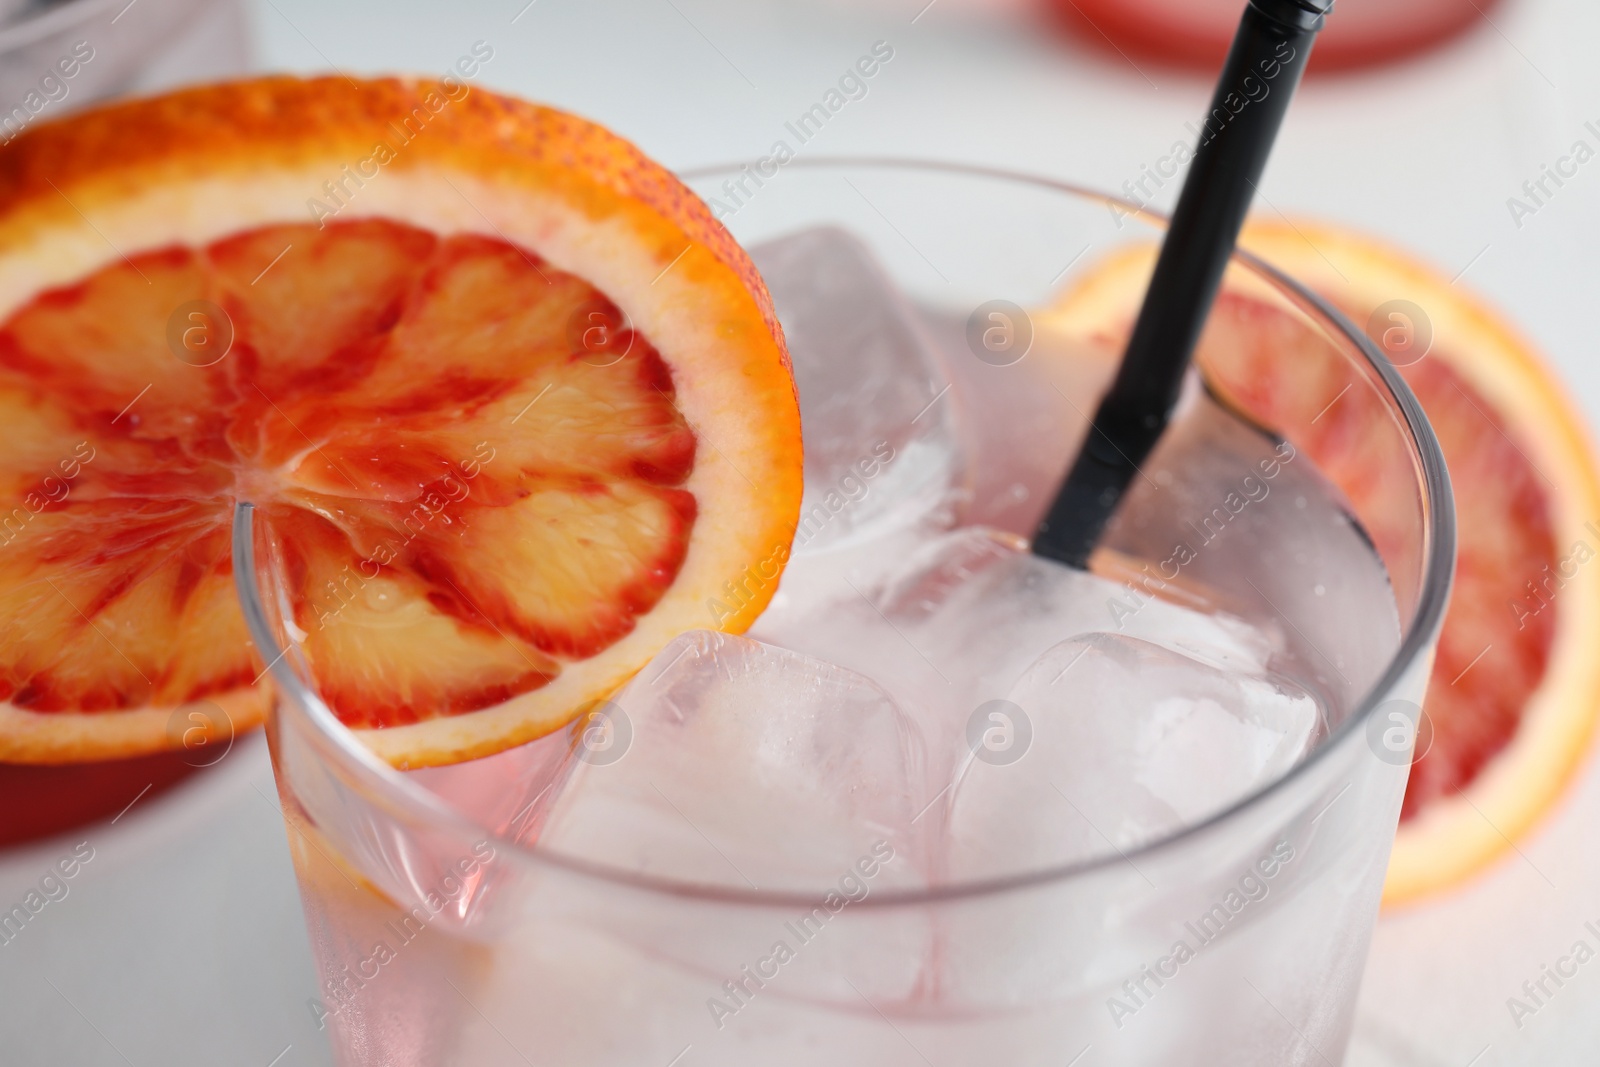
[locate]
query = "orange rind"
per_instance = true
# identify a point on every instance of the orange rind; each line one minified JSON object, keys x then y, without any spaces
{"x":515,"y":407}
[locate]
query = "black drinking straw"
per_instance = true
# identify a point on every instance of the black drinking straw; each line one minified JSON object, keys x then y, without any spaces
{"x":1263,"y":68}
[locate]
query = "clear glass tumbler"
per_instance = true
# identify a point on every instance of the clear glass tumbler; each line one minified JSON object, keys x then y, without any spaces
{"x":445,"y":933}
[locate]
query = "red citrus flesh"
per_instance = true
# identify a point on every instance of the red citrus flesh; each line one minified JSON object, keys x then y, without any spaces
{"x":465,"y":496}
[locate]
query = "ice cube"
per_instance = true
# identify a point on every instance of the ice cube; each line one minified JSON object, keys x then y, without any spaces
{"x":1023,"y":422}
{"x":1116,"y":741}
{"x":730,"y":762}
{"x":967,"y":611}
{"x":882,"y":450}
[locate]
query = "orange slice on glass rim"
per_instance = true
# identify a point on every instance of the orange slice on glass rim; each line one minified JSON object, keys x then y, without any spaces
{"x":516,"y":406}
{"x":1513,"y":699}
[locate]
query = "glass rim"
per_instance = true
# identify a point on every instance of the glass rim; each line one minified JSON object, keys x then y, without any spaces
{"x":409,"y":799}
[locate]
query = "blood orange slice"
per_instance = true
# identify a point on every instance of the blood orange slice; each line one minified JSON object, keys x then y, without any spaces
{"x":1513,"y":699}
{"x":516,"y":406}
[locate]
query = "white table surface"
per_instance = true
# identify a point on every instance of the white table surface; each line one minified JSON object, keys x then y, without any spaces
{"x":181,"y":943}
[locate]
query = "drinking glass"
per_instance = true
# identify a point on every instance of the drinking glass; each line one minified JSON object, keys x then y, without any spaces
{"x":57,"y":57}
{"x":445,"y":932}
